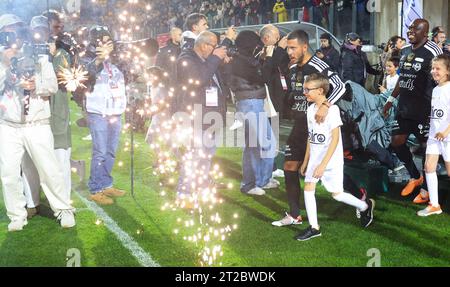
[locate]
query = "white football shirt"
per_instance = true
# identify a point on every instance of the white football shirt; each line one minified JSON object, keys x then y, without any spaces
{"x":320,"y":136}
{"x":440,"y":109}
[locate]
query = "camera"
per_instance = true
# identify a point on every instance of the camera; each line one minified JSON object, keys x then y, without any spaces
{"x":384,"y":45}
{"x":232,"y":52}
{"x":7,"y":39}
{"x":35,"y":50}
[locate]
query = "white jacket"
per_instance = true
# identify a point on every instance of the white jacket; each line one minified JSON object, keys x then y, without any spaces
{"x":12,"y":97}
{"x":108,"y":97}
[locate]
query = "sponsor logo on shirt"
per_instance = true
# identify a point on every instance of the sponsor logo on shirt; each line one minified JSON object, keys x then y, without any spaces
{"x":436,"y":114}
{"x":316,"y":138}
{"x":417,"y":67}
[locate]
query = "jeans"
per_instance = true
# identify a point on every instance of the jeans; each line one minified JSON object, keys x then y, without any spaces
{"x":105,"y":131}
{"x":260,"y":145}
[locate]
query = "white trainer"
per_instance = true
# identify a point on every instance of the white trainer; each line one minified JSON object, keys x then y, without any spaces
{"x":278,"y":173}
{"x":288,"y":220}
{"x":66,"y":218}
{"x":17,"y":225}
{"x":430,"y":210}
{"x":273,"y":183}
{"x":256,"y":191}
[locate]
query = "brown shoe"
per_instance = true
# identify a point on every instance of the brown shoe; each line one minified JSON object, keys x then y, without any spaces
{"x":113,"y":192}
{"x":101,"y":199}
{"x":32,"y":212}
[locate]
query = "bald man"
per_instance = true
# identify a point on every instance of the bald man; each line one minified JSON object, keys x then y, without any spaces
{"x":199,"y":90}
{"x":275,"y":58}
{"x":414,"y":87}
{"x":167,"y":56}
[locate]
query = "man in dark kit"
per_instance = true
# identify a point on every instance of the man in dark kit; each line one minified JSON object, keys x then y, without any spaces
{"x":414,"y":87}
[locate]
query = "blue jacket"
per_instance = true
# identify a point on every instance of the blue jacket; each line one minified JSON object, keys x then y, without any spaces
{"x":366,"y":109}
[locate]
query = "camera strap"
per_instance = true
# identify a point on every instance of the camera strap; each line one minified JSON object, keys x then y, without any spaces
{"x":283,"y":80}
{"x":112,"y":84}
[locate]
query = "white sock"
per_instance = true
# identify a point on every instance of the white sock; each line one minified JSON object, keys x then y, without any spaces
{"x":349,"y":199}
{"x":311,"y":208}
{"x":432,"y":184}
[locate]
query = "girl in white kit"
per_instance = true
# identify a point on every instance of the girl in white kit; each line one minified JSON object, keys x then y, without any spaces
{"x":439,"y":140}
{"x":324,"y":158}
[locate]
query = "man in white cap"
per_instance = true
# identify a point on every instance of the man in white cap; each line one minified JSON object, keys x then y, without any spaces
{"x":59,"y":122}
{"x":39,"y":29}
{"x":10,"y":23}
{"x":25,"y":127}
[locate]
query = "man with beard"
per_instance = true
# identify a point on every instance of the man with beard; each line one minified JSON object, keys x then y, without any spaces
{"x":414,"y":87}
{"x":302,"y":65}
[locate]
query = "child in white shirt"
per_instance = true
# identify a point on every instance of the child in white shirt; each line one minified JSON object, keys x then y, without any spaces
{"x":439,"y":140}
{"x":392,"y":76}
{"x":324,"y":158}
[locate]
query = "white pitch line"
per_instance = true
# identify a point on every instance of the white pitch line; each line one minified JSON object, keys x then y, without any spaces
{"x":127,"y":241}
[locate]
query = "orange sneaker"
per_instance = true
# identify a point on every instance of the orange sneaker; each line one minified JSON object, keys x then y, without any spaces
{"x":412,"y":184}
{"x":422,"y":197}
{"x":430,"y":210}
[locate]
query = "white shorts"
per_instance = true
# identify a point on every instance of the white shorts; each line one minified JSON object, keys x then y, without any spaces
{"x":332,"y":179}
{"x":438,"y":147}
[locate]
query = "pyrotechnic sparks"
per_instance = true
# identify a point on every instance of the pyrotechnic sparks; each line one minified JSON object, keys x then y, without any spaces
{"x":72,"y":78}
{"x":172,"y":145}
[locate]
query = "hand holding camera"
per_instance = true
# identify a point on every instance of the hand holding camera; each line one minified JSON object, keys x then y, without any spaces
{"x":220,"y":52}
{"x":28,"y":84}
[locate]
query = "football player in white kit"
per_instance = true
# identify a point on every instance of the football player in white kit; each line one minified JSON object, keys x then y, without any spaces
{"x":439,"y":140}
{"x":324,"y":158}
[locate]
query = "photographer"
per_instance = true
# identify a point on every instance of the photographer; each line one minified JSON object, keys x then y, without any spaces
{"x":247,"y":83}
{"x":40,"y":35}
{"x":27,"y":80}
{"x":105,"y":103}
{"x":199,"y":88}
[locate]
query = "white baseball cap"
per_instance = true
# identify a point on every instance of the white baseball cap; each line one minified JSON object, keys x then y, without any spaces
{"x":39,"y":21}
{"x":9,"y":19}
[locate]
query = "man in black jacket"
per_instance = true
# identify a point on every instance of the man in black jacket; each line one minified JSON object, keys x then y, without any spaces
{"x":168,"y":55}
{"x":201,"y":98}
{"x":328,"y":53}
{"x":247,"y":82}
{"x":278,"y":63}
{"x":354,"y":63}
